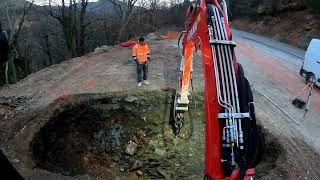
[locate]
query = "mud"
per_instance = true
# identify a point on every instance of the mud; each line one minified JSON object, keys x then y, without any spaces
{"x":90,"y":134}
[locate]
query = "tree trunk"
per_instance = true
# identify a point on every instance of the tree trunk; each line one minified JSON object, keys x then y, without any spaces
{"x":6,"y":72}
{"x":82,"y":27}
{"x":13,"y":68}
{"x":48,"y":51}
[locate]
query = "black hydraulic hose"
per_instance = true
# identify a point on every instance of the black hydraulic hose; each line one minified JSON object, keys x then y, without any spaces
{"x":179,"y":47}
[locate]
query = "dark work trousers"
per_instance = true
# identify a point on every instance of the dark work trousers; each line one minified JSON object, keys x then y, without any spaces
{"x":142,"y":71}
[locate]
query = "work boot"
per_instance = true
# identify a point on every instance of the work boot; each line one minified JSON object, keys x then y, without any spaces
{"x":146,"y":82}
{"x":139,"y":84}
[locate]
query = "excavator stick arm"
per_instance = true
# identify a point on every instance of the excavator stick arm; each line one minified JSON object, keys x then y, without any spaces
{"x":207,"y":27}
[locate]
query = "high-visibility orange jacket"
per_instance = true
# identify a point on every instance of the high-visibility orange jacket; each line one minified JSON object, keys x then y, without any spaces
{"x":141,"y":52}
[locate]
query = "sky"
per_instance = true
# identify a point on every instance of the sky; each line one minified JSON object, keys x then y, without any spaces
{"x":57,"y":2}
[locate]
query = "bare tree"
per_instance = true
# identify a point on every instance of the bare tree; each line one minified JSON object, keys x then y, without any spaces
{"x":73,"y":23}
{"x":124,"y":10}
{"x":13,"y":41}
{"x":45,"y":42}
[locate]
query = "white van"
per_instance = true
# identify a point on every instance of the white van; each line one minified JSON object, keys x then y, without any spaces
{"x":310,"y":69}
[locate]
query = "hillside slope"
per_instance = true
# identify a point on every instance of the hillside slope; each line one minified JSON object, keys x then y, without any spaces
{"x":295,"y":28}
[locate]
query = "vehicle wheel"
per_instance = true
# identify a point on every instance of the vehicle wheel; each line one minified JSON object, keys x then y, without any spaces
{"x":310,"y":77}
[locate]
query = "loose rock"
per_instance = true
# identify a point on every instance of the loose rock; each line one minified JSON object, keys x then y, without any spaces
{"x":163,"y":173}
{"x":127,"y":108}
{"x":160,"y":152}
{"x":131,"y":148}
{"x":131,"y":99}
{"x":142,"y":137}
{"x":136,"y":165}
{"x":139,"y":173}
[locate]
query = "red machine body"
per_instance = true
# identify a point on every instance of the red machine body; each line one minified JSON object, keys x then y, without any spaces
{"x":209,"y":30}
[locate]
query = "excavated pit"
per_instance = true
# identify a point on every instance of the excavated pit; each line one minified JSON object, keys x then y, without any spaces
{"x":82,"y":140}
{"x":125,"y":136}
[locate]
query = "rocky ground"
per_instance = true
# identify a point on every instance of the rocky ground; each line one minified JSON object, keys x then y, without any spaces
{"x":118,"y":137}
{"x":87,"y":119}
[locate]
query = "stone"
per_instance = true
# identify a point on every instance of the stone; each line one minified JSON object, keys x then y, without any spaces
{"x":131,"y":148}
{"x":155,"y":158}
{"x":101,"y":49}
{"x":144,"y":119}
{"x":163,"y":173}
{"x":141,"y":154}
{"x":66,"y":173}
{"x":154,"y":174}
{"x":136,"y":165}
{"x":166,"y":88}
{"x":115,"y":107}
{"x":160,"y":152}
{"x":139,"y":173}
{"x":4,"y":100}
{"x":142,"y":137}
{"x":2,"y":115}
{"x":121,"y":169}
{"x":131,"y":99}
{"x":135,"y":139}
{"x":127,"y":108}
{"x":116,"y":158}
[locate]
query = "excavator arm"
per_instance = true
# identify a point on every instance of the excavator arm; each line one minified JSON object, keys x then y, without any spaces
{"x":228,"y":112}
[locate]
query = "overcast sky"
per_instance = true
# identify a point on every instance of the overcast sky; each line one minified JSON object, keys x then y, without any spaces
{"x":43,"y":2}
{"x":58,"y":2}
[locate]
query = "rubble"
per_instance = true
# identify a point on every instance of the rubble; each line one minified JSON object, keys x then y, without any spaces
{"x":131,"y":99}
{"x":136,"y":165}
{"x":131,"y":148}
{"x":163,"y":173}
{"x":142,"y":137}
{"x":13,"y":101}
{"x":119,"y":143}
{"x":127,"y":108}
{"x":100,"y":50}
{"x":151,"y":36}
{"x":160,"y":152}
{"x":135,"y":139}
{"x":139,"y":173}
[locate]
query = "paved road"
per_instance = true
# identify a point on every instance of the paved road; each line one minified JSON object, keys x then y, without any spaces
{"x":270,"y":43}
{"x":273,"y":69}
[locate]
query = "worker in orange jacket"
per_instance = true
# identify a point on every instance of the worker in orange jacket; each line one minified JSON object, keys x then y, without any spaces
{"x":141,"y":55}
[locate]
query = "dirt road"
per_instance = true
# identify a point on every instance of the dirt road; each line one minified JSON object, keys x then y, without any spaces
{"x":291,"y":142}
{"x":274,"y":72}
